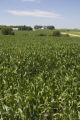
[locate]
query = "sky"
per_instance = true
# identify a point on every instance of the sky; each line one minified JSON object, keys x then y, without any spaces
{"x":60,"y":13}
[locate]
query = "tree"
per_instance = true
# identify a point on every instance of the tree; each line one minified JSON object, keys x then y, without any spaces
{"x":51,"y":27}
{"x":1,"y":26}
{"x":37,"y":26}
{"x":7,"y":31}
{"x":28,"y":28}
{"x":56,"y":33}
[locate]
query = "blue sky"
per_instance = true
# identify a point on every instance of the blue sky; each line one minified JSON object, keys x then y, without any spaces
{"x":60,"y":13}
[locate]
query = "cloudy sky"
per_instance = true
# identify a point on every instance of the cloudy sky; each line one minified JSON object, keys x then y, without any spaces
{"x":60,"y":13}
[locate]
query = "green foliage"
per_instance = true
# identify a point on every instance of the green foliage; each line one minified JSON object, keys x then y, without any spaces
{"x":42,"y":34}
{"x":37,"y":26}
{"x":28,"y":28}
{"x":1,"y":26}
{"x":56,"y":33}
{"x":12,"y":33}
{"x":51,"y":27}
{"x":24,"y":27}
{"x":39,"y":77}
{"x":7,"y":31}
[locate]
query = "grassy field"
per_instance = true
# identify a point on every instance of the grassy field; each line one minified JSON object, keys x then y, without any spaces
{"x":73,"y":32}
{"x":39,"y":77}
{"x":76,"y":32}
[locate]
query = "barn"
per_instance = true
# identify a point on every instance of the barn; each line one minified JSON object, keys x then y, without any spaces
{"x":43,"y":28}
{"x":15,"y":29}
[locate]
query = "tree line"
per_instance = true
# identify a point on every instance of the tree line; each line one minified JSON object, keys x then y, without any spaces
{"x":24,"y":27}
{"x":9,"y":30}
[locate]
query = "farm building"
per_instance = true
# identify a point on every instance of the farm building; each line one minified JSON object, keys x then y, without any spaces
{"x":43,"y":28}
{"x":15,"y":29}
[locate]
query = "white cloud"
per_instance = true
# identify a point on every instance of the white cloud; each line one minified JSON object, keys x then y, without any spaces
{"x":31,"y":0}
{"x":36,"y":13}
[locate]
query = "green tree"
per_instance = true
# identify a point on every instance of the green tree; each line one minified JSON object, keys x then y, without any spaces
{"x":51,"y":27}
{"x":28,"y":28}
{"x":7,"y":31}
{"x":56,"y":33}
{"x":37,"y":26}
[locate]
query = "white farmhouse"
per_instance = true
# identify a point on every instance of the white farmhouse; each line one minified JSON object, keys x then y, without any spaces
{"x":43,"y":28}
{"x":15,"y":29}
